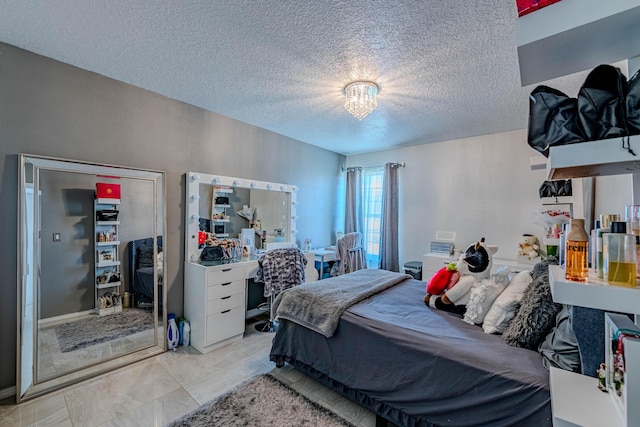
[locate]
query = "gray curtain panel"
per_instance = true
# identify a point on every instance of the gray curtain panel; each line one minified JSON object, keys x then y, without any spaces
{"x":353,"y":204}
{"x":389,"y":230}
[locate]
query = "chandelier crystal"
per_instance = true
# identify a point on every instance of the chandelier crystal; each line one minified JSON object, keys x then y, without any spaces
{"x":360,"y":98}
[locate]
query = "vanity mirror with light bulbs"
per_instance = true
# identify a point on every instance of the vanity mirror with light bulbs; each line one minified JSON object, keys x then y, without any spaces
{"x":74,"y":318}
{"x":220,"y":295}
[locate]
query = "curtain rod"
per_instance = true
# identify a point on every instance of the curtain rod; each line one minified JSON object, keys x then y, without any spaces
{"x":393,"y":165}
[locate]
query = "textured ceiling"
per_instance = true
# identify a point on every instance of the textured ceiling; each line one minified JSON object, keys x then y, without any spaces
{"x":448,"y":69}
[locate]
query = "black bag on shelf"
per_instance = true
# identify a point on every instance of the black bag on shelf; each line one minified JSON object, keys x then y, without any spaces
{"x":220,"y":200}
{"x":633,"y":104}
{"x":553,"y":119}
{"x":557,"y":188}
{"x":601,"y":104}
{"x":212,"y":253}
{"x":107,"y":215}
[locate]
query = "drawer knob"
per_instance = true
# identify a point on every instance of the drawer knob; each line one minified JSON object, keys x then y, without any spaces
{"x":226,"y":311}
{"x":225,"y":270}
{"x":227,"y":297}
{"x":226,"y":284}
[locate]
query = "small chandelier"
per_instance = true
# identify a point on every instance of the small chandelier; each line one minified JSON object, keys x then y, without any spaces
{"x":360,"y":98}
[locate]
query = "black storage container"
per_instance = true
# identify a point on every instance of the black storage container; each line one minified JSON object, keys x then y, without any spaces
{"x":414,"y":269}
{"x":107,"y":215}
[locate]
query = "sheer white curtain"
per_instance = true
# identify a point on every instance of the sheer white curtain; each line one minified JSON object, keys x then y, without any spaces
{"x":372,"y":191}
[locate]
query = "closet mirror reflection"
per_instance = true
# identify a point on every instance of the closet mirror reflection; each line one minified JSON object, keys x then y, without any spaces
{"x":91,"y":266}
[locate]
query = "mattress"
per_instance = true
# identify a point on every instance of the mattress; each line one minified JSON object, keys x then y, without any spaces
{"x":417,"y":366}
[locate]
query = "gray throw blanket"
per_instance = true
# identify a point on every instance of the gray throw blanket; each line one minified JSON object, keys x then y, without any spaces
{"x":319,"y":305}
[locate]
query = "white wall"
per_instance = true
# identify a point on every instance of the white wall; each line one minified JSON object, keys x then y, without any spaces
{"x":477,"y":187}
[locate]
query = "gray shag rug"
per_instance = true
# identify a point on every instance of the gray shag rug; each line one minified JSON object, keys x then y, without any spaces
{"x":98,"y":329}
{"x":261,"y":401}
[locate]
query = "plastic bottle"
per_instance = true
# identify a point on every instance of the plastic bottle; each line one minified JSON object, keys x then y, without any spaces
{"x":605,"y":227}
{"x":186,"y":334}
{"x":620,"y":256}
{"x":180,"y":330}
{"x":172,"y":332}
{"x":577,"y":256}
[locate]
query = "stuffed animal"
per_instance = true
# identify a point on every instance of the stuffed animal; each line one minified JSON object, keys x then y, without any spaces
{"x":528,"y":246}
{"x":474,"y":265}
{"x":444,"y":279}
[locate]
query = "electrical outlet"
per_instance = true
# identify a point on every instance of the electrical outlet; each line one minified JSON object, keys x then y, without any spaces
{"x":56,"y":237}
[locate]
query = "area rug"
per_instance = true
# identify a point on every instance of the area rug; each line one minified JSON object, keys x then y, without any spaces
{"x":261,"y":401}
{"x":98,"y":329}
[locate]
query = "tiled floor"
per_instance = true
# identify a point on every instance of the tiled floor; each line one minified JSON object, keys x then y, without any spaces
{"x":158,"y":390}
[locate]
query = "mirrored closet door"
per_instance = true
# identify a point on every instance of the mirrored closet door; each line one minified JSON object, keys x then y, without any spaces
{"x":91,"y":267}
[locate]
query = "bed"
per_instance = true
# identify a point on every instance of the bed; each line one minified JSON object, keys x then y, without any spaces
{"x":141,"y":269}
{"x":416,"y":366}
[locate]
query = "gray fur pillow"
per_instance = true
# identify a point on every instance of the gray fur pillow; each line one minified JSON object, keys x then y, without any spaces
{"x":537,"y":313}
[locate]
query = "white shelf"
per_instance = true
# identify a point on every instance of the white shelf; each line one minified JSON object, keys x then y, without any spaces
{"x":221,"y":206}
{"x":107,"y":222}
{"x":223,"y":190}
{"x":104,"y":201}
{"x":222,"y":235}
{"x":595,"y":293}
{"x":108,"y":285}
{"x":114,"y":243}
{"x":560,"y":200}
{"x":593,"y":158}
{"x":577,"y":401}
{"x":576,"y":35}
{"x":221,"y":220}
{"x":107,"y":263}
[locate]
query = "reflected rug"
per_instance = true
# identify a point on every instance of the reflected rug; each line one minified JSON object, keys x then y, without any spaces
{"x":261,"y":401}
{"x":98,"y":329}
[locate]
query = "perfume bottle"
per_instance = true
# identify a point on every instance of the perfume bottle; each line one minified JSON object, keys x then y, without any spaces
{"x":620,"y":256}
{"x":577,"y":252}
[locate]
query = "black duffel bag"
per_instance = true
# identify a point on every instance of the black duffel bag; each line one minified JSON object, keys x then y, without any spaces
{"x":601,"y":104}
{"x":212,"y":253}
{"x":633,"y":104}
{"x":553,"y":119}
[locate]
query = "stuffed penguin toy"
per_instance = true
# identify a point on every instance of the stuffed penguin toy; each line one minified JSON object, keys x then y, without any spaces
{"x":474,"y":265}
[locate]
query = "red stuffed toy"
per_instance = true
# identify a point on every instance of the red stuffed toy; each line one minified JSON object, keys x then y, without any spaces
{"x":443,"y":280}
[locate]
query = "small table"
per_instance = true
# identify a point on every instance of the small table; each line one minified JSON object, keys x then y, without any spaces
{"x":324,"y":255}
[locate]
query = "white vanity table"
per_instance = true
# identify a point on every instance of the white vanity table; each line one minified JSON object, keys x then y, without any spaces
{"x":216,"y":294}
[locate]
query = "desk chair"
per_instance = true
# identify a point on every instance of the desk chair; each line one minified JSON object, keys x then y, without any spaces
{"x":350,"y":255}
{"x":279,"y":269}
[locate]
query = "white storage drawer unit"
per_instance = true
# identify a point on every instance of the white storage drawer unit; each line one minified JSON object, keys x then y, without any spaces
{"x":215,"y":303}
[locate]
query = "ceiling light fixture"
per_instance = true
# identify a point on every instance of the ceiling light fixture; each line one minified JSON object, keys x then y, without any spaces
{"x":360,"y":98}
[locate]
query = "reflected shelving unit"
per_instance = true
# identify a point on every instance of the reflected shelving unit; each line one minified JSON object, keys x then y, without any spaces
{"x":107,"y":257}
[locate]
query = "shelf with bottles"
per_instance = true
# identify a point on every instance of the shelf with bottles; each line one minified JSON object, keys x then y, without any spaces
{"x":107,"y":273}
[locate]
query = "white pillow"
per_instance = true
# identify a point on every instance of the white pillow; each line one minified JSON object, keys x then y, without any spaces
{"x":483,"y":295}
{"x":505,"y":305}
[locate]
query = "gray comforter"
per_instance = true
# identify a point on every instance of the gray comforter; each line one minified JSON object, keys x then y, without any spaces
{"x":319,"y":305}
{"x":421,"y":367}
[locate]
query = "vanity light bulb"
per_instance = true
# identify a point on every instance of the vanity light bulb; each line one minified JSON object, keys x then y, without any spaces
{"x":294,"y":188}
{"x":283,"y":188}
{"x":195,"y":177}
{"x":195,"y":197}
{"x":237,"y":182}
{"x":253,"y":185}
{"x":269,"y":186}
{"x":216,"y":180}
{"x":294,"y":231}
{"x":195,"y":217}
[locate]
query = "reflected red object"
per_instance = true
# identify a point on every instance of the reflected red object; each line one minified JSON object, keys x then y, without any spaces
{"x":107,"y":191}
{"x":528,"y":6}
{"x":202,"y":237}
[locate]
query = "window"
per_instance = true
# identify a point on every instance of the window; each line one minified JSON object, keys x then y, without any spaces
{"x":372,"y":180}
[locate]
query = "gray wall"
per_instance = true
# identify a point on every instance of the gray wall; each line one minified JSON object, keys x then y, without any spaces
{"x":53,"y":109}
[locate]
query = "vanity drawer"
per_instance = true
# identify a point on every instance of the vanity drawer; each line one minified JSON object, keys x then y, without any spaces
{"x":225,"y":275}
{"x":224,"y":325}
{"x":225,"y":289}
{"x":219,"y":305}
